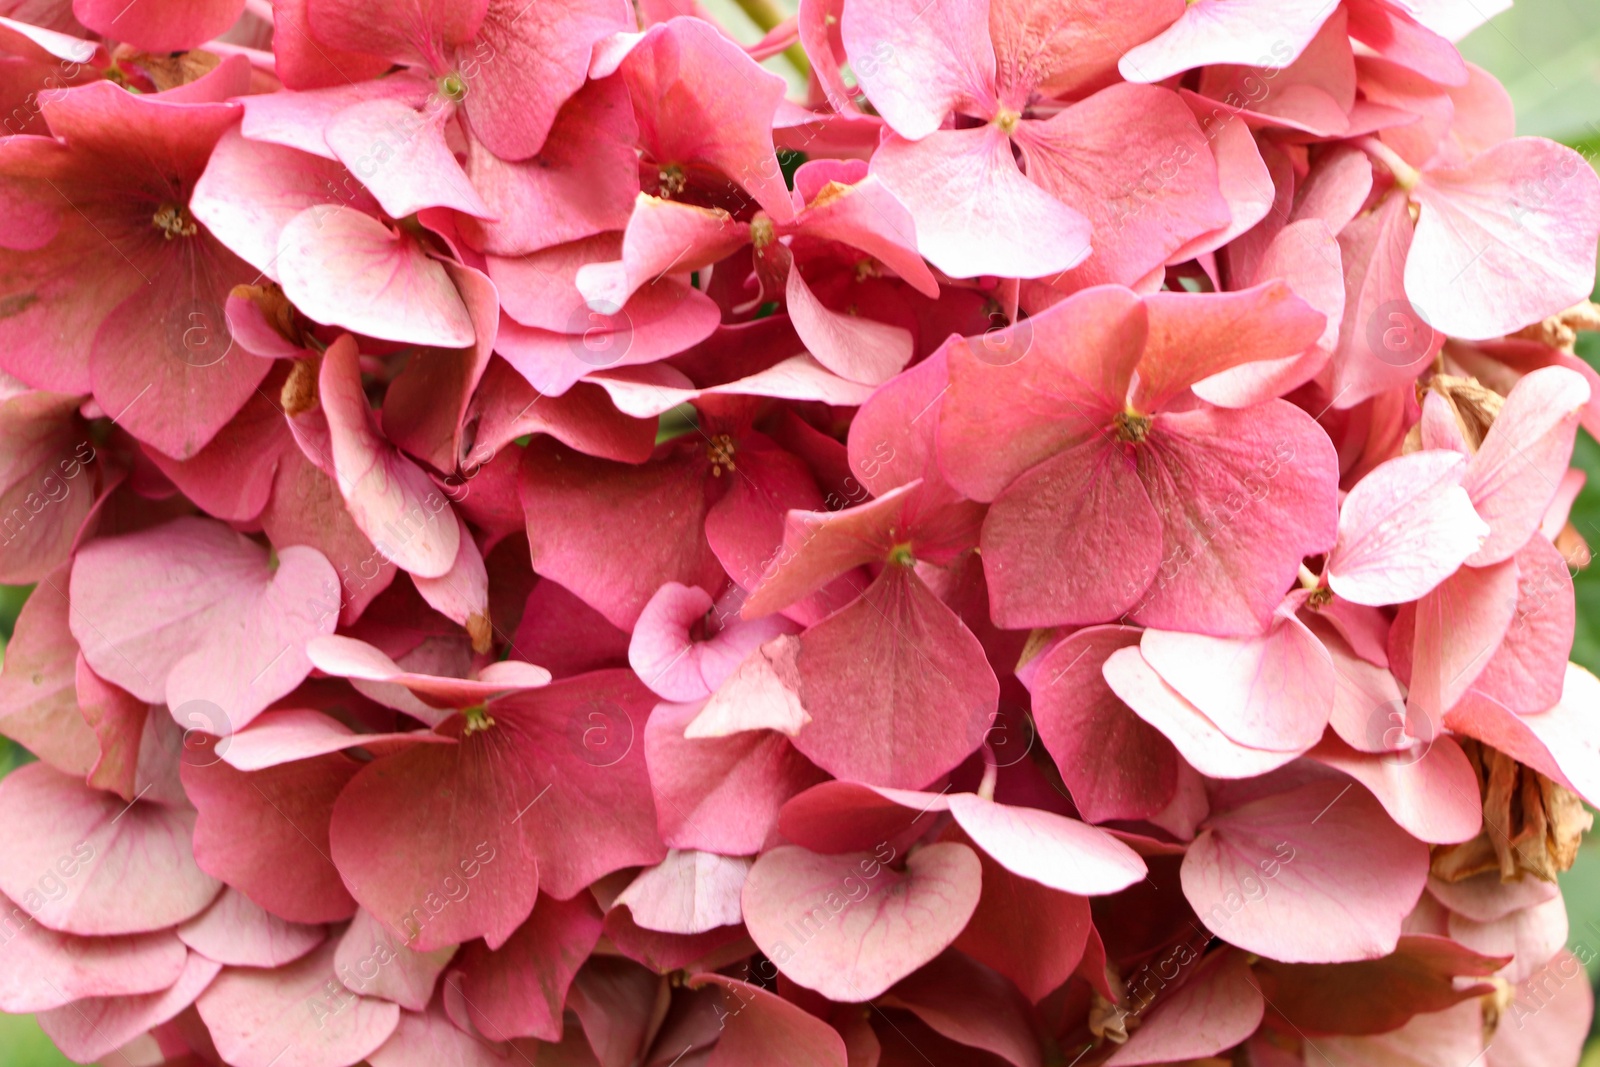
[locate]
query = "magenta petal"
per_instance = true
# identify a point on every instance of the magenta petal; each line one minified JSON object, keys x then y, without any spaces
{"x":171,"y":27}
{"x":294,"y":1016}
{"x":1216,"y":1008}
{"x":1116,"y":765}
{"x":975,"y":212}
{"x":95,"y":1027}
{"x":1053,"y":850}
{"x":42,"y":969}
{"x":853,"y":347}
{"x":1505,"y":240}
{"x":240,"y":933}
{"x":1270,"y":691}
{"x":720,"y":794}
{"x":971,"y":1004}
{"x":1330,"y":877}
{"x":128,"y":868}
{"x":266,"y":833}
{"x":850,"y":927}
{"x":1029,"y":933}
{"x":519,"y":989}
{"x":345,"y":268}
{"x":762,"y":1029}
{"x":898,"y":689}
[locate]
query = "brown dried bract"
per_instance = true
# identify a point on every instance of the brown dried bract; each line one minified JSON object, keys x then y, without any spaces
{"x":1531,"y":824}
{"x":165,"y":70}
{"x":1561,"y":331}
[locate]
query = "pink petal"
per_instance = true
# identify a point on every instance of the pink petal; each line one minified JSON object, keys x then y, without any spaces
{"x":47,"y":486}
{"x":95,"y":1027}
{"x":38,"y":697}
{"x":1524,"y":673}
{"x":1435,"y":1039}
{"x":1196,"y":738}
{"x":898,"y":689}
{"x":1505,"y":240}
{"x":524,"y":69}
{"x":762,"y":1028}
{"x":853,"y":347}
{"x":170,"y":28}
{"x":1564,"y":1011}
{"x":687,"y":893}
{"x":581,"y":183}
{"x":1098,"y":157}
{"x":855,"y":209}
{"x":1514,"y":476}
{"x":1403,"y":529}
{"x":1210,"y":31}
{"x":850,"y":927}
{"x":1530,"y":936}
{"x":41,"y":969}
{"x":1265,"y":481}
{"x":1315,"y":875}
{"x":1267,"y":692}
{"x":975,"y":212}
{"x":762,"y":693}
{"x":397,"y":145}
{"x":1457,"y":627}
{"x":675,"y":665}
{"x":661,"y":236}
{"x":345,"y":268}
{"x":373,"y":962}
{"x":266,"y":833}
{"x":1053,"y":850}
{"x":296,"y":1016}
{"x":519,"y":989}
{"x":720,"y":794}
{"x":1216,"y":1008}
{"x":1431,"y":794}
{"x":391,"y":499}
{"x":127,"y":868}
{"x":429,"y":1036}
{"x":237,"y":932}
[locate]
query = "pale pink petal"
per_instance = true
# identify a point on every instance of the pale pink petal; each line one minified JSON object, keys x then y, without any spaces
{"x":849,"y":926}
{"x":1404,"y":528}
{"x":763,"y":693}
{"x":461,"y":594}
{"x":1457,"y":627}
{"x":1196,"y":738}
{"x":345,"y":268}
{"x":1436,"y":1039}
{"x":398,"y":148}
{"x":1315,"y":875}
{"x":240,"y":933}
{"x":41,"y":969}
{"x":294,"y":1016}
{"x":1053,"y":850}
{"x":1516,"y":473}
{"x":854,"y":347}
{"x":1549,"y":1017}
{"x":39,"y":699}
{"x":95,"y":1027}
{"x":1505,"y":240}
{"x":47,"y":484}
{"x":127,"y":868}
{"x":919,"y":62}
{"x":1215,"y":1009}
{"x":373,"y":962}
{"x":391,"y":499}
{"x":1214,"y":31}
{"x":1531,"y":936}
{"x":687,"y":893}
{"x":429,"y":1036}
{"x":1432,"y":793}
{"x":1269,"y":691}
{"x":975,"y":212}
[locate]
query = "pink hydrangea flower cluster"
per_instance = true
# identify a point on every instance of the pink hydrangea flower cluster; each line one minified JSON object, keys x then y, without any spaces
{"x":1048,"y":547}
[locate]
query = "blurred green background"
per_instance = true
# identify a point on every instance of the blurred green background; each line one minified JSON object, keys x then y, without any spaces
{"x":1547,"y":53}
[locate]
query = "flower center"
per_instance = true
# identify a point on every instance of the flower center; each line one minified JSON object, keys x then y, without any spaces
{"x":173,"y":221}
{"x":453,"y":87}
{"x":720,"y":452}
{"x":478,"y":719}
{"x":901,"y":554}
{"x":672,"y":180}
{"x":1131,"y":426}
{"x":762,"y":231}
{"x":1007,"y":120}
